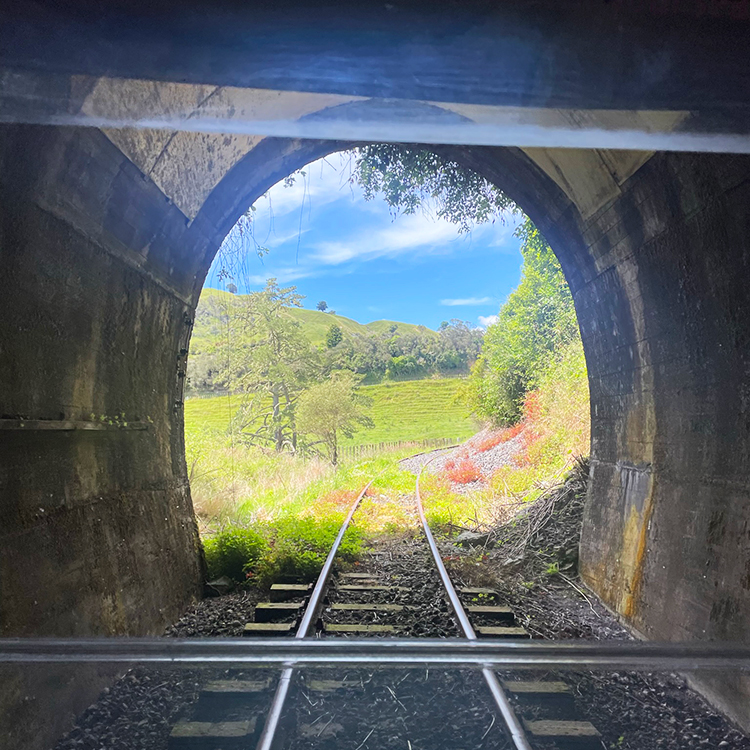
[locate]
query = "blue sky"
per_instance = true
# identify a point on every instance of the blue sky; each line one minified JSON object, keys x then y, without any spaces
{"x":333,"y":245}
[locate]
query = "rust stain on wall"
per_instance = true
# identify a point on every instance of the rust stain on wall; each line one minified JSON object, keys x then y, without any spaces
{"x":633,"y":589}
{"x":638,"y":493}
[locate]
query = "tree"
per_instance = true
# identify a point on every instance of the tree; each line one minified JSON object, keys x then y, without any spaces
{"x":232,"y":288}
{"x":334,"y":336}
{"x":332,"y":409}
{"x":410,"y":178}
{"x":533,"y":326}
{"x":322,"y":306}
{"x":269,"y":360}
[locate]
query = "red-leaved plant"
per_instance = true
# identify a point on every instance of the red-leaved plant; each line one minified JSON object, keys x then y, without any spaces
{"x":503,"y":436}
{"x":463,"y":472}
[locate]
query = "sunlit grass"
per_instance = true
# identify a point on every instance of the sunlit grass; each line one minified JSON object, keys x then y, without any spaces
{"x":407,"y":410}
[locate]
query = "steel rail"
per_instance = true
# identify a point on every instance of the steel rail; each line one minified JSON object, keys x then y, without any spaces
{"x":512,"y":724}
{"x":393,"y":652}
{"x":267,"y":736}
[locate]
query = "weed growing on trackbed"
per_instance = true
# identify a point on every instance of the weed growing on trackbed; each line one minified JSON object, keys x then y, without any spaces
{"x":292,"y":548}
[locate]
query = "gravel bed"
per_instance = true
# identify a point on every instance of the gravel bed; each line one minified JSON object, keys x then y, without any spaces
{"x":140,"y":709}
{"x":487,"y":461}
{"x":422,"y":709}
{"x":137,"y":712}
{"x":219,"y":617}
{"x":400,"y":563}
{"x":388,"y":709}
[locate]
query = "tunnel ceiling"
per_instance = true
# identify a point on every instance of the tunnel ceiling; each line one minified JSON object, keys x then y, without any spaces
{"x":186,"y":137}
{"x":187,"y":164}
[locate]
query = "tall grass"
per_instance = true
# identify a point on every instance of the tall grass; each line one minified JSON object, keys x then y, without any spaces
{"x":265,"y":515}
{"x":555,"y":429}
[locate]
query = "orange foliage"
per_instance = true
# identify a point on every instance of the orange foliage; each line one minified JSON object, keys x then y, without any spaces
{"x":511,"y":432}
{"x":532,"y":407}
{"x":489,"y":442}
{"x":499,"y":437}
{"x":464,"y":472}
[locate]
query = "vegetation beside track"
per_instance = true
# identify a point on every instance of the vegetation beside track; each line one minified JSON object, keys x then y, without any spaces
{"x":264,"y":516}
{"x":272,"y":514}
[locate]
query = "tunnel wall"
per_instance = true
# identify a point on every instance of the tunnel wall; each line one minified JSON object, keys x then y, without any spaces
{"x":97,"y":534}
{"x":666,"y":536}
{"x":659,"y":273}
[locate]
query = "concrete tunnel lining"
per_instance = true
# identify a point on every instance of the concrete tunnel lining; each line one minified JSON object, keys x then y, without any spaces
{"x":91,"y":246}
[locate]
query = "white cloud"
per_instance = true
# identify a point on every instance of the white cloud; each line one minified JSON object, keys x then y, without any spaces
{"x":466,"y":301}
{"x":283,"y":275}
{"x":411,"y":233}
{"x":487,"y":320}
{"x":325,"y":181}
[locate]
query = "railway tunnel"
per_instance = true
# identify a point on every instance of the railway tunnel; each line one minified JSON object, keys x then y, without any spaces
{"x":116,"y":193}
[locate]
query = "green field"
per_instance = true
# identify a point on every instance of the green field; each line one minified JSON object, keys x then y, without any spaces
{"x":410,"y":410}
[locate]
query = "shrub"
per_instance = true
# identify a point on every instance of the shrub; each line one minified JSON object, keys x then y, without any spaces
{"x":232,"y":551}
{"x":535,"y":323}
{"x":464,"y":472}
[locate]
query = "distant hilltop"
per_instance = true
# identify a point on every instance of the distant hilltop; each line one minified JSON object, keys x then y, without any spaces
{"x":315,"y":324}
{"x":381,"y":350}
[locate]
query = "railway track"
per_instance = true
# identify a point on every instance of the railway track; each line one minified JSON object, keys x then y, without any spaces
{"x":245,"y":709}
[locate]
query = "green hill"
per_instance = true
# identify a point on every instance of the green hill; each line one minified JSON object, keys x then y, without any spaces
{"x":383,"y":349}
{"x":315,"y":324}
{"x":412,"y":410}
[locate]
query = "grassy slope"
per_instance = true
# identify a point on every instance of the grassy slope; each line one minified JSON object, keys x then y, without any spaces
{"x":315,"y":324}
{"x":410,"y":410}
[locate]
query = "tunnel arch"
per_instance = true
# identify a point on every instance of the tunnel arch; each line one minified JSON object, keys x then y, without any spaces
{"x":608,"y":323}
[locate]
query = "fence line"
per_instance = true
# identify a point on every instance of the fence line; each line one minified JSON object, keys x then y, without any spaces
{"x":355,"y":452}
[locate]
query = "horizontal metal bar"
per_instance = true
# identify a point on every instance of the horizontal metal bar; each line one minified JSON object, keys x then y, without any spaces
{"x":68,"y":425}
{"x":415,"y":131}
{"x":395,"y":652}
